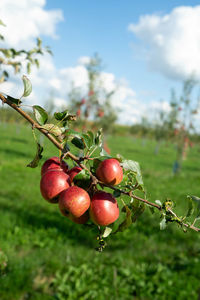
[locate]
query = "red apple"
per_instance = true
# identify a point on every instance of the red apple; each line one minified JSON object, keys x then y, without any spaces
{"x":104,"y":209}
{"x":75,"y":200}
{"x":54,"y":163}
{"x":110,"y":172}
{"x":73,"y":172}
{"x":78,"y":113}
{"x":52,"y":183}
{"x":83,"y":101}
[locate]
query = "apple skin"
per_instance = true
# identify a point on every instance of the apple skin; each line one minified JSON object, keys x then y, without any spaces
{"x":73,"y":172}
{"x":52,"y":183}
{"x":54,"y":163}
{"x":104,"y":209}
{"x":75,"y":200}
{"x":110,"y":172}
{"x":80,"y":220}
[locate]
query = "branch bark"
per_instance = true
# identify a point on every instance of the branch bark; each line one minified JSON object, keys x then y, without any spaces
{"x":78,"y":161}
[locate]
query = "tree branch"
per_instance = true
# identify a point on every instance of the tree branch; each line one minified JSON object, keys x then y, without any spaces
{"x":78,"y":161}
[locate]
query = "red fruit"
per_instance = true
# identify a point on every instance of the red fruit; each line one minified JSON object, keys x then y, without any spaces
{"x":78,"y":113}
{"x":104,"y":209}
{"x":54,"y":163}
{"x":83,"y":101}
{"x":74,"y":200}
{"x":110,"y":172}
{"x":73,"y":172}
{"x":53,"y":183}
{"x":91,"y":93}
{"x":100,"y":113}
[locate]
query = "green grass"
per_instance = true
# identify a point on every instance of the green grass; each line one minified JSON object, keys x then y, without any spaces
{"x":49,"y":257}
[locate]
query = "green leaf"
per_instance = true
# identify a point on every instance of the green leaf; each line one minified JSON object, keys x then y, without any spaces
{"x":1,"y":23}
{"x":116,"y":193}
{"x":163,"y":224}
{"x":39,"y":42}
{"x":107,"y":231}
{"x":197,"y":201}
{"x":127,"y":222}
{"x":40,"y":114}
{"x":91,"y":135}
{"x":137,"y":209}
{"x":66,"y":148}
{"x":82,"y":175}
{"x":86,"y":139}
{"x":34,"y":163}
{"x":53,"y":129}
{"x":104,"y":153}
{"x":14,"y":100}
{"x":27,"y":86}
{"x":78,"y":143}
{"x":60,"y":115}
{"x":190,"y":208}
{"x":98,"y":138}
{"x":71,"y":132}
{"x":135,"y":168}
{"x":158,"y":202}
{"x":28,"y":67}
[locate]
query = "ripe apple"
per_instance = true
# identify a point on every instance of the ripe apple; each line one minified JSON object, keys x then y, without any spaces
{"x":54,"y":163}
{"x":104,"y":209}
{"x":52,"y":183}
{"x":78,"y":113}
{"x":73,"y":172}
{"x":110,"y":172}
{"x":75,"y":200}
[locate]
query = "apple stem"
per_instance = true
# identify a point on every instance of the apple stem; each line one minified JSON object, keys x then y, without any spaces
{"x":78,"y":160}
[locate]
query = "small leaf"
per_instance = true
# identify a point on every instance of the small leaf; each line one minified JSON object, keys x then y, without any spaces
{"x":127,"y":222}
{"x":27,"y":86}
{"x":104,"y":153}
{"x":60,"y":115}
{"x":40,"y":114}
{"x":98,"y":138}
{"x":83,"y":175}
{"x":53,"y":129}
{"x":14,"y":100}
{"x":116,"y":193}
{"x":78,"y":143}
{"x":86,"y":140}
{"x":107,"y":231}
{"x":34,"y":163}
{"x":163,"y":224}
{"x":1,"y":23}
{"x":135,"y":168}
{"x":158,"y":202}
{"x":91,"y":135}
{"x":66,"y":148}
{"x":190,"y":208}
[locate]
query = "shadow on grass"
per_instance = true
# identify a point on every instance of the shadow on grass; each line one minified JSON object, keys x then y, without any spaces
{"x":15,"y":153}
{"x":38,"y":218}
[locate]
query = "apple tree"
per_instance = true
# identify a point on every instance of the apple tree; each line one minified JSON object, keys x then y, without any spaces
{"x":101,"y":192}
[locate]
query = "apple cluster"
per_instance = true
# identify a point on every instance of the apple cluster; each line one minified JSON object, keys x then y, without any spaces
{"x":79,"y":205}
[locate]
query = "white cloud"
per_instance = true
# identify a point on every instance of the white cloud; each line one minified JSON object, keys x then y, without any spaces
{"x":27,"y":19}
{"x":172,"y":41}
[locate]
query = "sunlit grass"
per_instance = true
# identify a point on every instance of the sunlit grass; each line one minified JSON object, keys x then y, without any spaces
{"x":51,"y":258}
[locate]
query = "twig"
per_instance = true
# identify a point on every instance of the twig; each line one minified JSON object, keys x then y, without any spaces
{"x":95,"y":181}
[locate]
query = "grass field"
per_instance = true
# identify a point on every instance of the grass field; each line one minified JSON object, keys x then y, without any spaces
{"x":51,"y":258}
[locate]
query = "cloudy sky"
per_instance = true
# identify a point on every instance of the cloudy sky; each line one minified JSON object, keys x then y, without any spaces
{"x":147,"y":48}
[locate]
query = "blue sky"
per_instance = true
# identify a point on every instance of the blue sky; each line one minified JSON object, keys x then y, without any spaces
{"x":150,"y":54}
{"x":102,"y":26}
